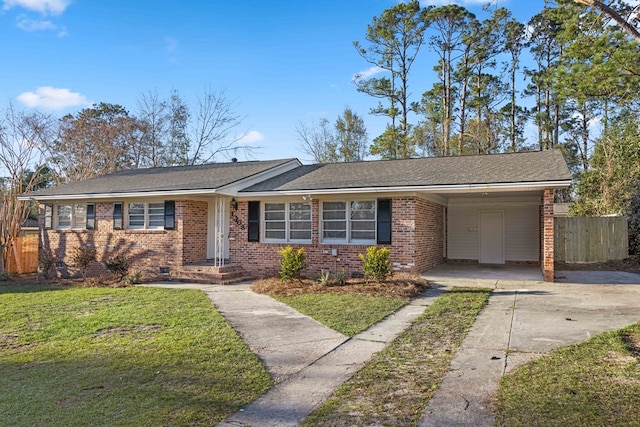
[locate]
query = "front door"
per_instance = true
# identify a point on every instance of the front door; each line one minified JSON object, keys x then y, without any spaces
{"x":218,"y":231}
{"x":491,"y":237}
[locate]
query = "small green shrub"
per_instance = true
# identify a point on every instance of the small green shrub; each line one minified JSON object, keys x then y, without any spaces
{"x":46,"y":261}
{"x":83,"y":257}
{"x":118,"y":265}
{"x":133,"y":278}
{"x":325,"y":278}
{"x":4,"y":276}
{"x":292,"y":263}
{"x":340,"y":277}
{"x":377,"y":265}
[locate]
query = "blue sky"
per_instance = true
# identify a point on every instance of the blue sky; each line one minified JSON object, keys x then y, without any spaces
{"x":283,"y":62}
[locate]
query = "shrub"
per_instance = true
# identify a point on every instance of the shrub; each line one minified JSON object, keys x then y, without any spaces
{"x":46,"y":261}
{"x":376,"y":266}
{"x":83,"y":257}
{"x":325,"y":278}
{"x":118,"y":265}
{"x":133,"y":278}
{"x":4,"y":276}
{"x":292,"y":263}
{"x":633,"y":213}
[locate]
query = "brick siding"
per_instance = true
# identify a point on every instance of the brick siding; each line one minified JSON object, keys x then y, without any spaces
{"x":547,"y":235}
{"x":416,"y":243}
{"x":146,"y":250}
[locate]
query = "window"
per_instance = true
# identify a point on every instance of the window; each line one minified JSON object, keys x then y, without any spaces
{"x":145,"y":215}
{"x":73,"y":215}
{"x":349,"y":221}
{"x":287,"y":221}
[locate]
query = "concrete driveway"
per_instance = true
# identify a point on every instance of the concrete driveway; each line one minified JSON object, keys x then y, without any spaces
{"x":523,"y":320}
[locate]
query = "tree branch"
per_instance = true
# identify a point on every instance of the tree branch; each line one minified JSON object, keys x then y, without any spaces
{"x":613,"y":14}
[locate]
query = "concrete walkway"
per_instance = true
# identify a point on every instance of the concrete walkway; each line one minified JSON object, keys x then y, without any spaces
{"x":306,"y":359}
{"x":522,"y":321}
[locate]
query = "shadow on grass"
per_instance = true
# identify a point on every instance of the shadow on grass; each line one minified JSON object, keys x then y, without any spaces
{"x":106,"y":391}
{"x":24,"y":288}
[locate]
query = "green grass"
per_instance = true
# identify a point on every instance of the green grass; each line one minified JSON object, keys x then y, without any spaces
{"x":593,"y":383}
{"x":346,"y":313}
{"x":396,"y":385}
{"x":128,"y":356}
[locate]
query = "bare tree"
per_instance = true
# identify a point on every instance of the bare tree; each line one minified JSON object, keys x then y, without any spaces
{"x":20,"y":136}
{"x":317,"y":140}
{"x":212,"y":126}
{"x":154,"y":116}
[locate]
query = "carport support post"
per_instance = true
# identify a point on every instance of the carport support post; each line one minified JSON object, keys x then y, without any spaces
{"x":547,"y":235}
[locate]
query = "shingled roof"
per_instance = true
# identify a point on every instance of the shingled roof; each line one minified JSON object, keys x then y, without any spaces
{"x":527,"y":167}
{"x":177,"y":178}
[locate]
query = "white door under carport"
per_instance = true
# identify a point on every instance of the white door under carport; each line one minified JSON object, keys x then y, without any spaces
{"x":520,"y":230}
{"x":491,"y":237}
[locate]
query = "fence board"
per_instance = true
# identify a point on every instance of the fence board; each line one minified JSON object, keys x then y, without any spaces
{"x":26,"y":258}
{"x":590,"y":239}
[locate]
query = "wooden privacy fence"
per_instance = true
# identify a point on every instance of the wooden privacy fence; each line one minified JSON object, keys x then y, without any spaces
{"x":587,"y":239}
{"x":23,"y":256}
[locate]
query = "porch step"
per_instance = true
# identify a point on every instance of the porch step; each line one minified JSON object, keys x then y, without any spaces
{"x":210,"y":274}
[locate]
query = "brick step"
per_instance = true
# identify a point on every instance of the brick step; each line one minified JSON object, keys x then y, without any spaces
{"x":203,"y":273}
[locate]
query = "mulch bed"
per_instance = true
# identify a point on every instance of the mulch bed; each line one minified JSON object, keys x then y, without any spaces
{"x":399,"y":285}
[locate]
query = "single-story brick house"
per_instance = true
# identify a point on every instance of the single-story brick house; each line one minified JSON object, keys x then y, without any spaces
{"x":492,"y":209}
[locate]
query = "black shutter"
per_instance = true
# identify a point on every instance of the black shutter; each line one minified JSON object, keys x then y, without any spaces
{"x":253,"y":228}
{"x":169,"y":215}
{"x":384,"y":221}
{"x":91,"y":216}
{"x":48,"y":216}
{"x":117,"y":216}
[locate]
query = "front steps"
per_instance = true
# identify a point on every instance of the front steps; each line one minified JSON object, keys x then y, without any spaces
{"x":211,"y":274}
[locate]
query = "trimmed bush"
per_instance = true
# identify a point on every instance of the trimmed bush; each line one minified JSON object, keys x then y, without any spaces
{"x":119,"y":266}
{"x":83,"y":257}
{"x":292,"y":263}
{"x":377,"y":265}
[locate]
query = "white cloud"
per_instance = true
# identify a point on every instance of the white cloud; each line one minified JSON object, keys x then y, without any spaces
{"x":365,"y":74}
{"x":54,"y":7}
{"x":52,"y":98}
{"x":28,"y":24}
{"x":251,"y":137}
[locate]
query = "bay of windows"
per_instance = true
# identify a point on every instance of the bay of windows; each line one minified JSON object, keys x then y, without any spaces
{"x":145,"y":215}
{"x":287,"y":221}
{"x":349,"y":221}
{"x":72,"y":215}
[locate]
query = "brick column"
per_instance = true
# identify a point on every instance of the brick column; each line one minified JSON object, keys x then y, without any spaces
{"x":546,"y":261}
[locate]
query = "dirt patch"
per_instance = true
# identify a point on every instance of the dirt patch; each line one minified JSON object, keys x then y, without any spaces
{"x":122,"y":330}
{"x":631,"y":265}
{"x":400,"y":285}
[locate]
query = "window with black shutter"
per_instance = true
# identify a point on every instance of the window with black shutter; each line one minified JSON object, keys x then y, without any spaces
{"x":384,"y":221}
{"x":117,"y":216}
{"x":169,"y":215}
{"x":253,"y":234}
{"x":91,"y":216}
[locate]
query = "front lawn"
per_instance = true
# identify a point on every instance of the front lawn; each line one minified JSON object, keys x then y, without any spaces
{"x":348,"y":314}
{"x":396,"y":385}
{"x":128,"y":356}
{"x":350,"y":308}
{"x":593,"y":383}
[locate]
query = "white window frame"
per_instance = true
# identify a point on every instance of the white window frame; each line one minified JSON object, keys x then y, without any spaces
{"x":287,"y":223}
{"x":76,"y":221}
{"x":148,"y":208}
{"x":349,"y":223}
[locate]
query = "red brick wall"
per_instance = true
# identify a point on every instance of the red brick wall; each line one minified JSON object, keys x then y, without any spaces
{"x":547,"y":235}
{"x":147,"y":250}
{"x":417,"y":242}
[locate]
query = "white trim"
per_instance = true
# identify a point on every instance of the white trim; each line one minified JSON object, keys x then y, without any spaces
{"x":232,"y":190}
{"x":437,"y":189}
